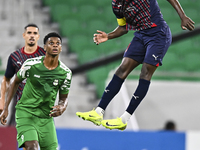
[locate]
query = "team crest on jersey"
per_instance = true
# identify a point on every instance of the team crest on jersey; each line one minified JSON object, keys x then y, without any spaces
{"x":55,"y":82}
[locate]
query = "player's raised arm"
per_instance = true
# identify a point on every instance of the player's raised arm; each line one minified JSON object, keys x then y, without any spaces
{"x":101,"y":36}
{"x":186,"y":22}
{"x":11,"y":91}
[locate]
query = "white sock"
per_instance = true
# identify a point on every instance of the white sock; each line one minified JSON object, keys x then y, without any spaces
{"x":125,"y":117}
{"x":99,"y":111}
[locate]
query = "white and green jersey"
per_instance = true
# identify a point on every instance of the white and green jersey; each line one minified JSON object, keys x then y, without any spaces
{"x":42,"y":86}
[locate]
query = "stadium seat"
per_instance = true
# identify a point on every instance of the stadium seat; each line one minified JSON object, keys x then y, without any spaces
{"x":87,"y":13}
{"x":172,"y":62}
{"x":192,"y":62}
{"x":108,"y":15}
{"x":193,"y":14}
{"x":60,"y":12}
{"x":71,"y":26}
{"x":100,"y":4}
{"x":98,"y":76}
{"x":182,"y":48}
{"x":49,"y":2}
{"x":175,"y":27}
{"x":87,"y":55}
{"x":79,"y":42}
{"x":94,"y":25}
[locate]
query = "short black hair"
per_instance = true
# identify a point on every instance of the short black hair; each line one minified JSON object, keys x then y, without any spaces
{"x":170,"y":125}
{"x":51,"y":34}
{"x":31,"y":25}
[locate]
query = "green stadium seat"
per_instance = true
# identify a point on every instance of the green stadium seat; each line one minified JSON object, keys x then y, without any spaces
{"x":175,"y":27}
{"x":162,"y":3}
{"x":103,"y":3}
{"x":193,"y":14}
{"x":192,"y":62}
{"x":98,"y":76}
{"x":87,"y":13}
{"x":87,"y":55}
{"x":172,"y":62}
{"x":190,"y":4}
{"x":70,"y":27}
{"x":94,"y":25}
{"x":182,"y":48}
{"x":108,"y":15}
{"x":168,"y":12}
{"x":60,"y":12}
{"x":49,"y":2}
{"x":79,"y":42}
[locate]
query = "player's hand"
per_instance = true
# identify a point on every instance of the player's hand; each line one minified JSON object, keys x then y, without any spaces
{"x":57,"y":110}
{"x":187,"y":23}
{"x":100,"y":37}
{"x":3,"y":116}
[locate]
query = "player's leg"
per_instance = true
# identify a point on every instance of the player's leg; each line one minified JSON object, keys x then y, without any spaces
{"x":156,"y":48}
{"x":31,"y":145}
{"x":127,"y":65}
{"x":115,"y":84}
{"x":27,"y":136}
{"x":143,"y":86}
{"x":47,"y":137}
{"x":111,"y":90}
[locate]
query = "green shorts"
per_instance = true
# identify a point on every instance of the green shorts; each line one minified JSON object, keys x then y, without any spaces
{"x":33,"y":128}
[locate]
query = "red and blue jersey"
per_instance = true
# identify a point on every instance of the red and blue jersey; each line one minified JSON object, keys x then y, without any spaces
{"x":137,"y":14}
{"x":15,"y":61}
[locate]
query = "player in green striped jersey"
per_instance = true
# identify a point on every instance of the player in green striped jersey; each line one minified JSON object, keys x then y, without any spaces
{"x":45,"y":75}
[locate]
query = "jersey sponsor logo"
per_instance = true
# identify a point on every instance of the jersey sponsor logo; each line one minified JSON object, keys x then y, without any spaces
{"x":136,"y":97}
{"x":107,"y":91}
{"x":18,"y":62}
{"x":155,"y":56}
{"x":112,"y":125}
{"x":37,"y":76}
{"x":55,"y":82}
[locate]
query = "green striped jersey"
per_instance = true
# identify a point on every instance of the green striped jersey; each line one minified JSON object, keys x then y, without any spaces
{"x":42,"y":86}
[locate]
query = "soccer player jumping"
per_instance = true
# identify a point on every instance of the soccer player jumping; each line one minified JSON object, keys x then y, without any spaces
{"x":148,"y":47}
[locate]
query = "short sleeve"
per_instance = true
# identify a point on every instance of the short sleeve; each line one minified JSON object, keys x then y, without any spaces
{"x":10,"y":69}
{"x":64,"y":88}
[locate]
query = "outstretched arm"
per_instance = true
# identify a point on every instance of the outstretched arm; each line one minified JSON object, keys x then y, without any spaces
{"x":103,"y":37}
{"x":11,"y":91}
{"x":186,"y":22}
{"x":4,"y":89}
{"x":61,"y":107}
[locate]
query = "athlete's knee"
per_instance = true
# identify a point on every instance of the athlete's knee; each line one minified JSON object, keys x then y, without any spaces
{"x":31,"y":145}
{"x":145,"y":75}
{"x":122,"y":71}
{"x":147,"y":71}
